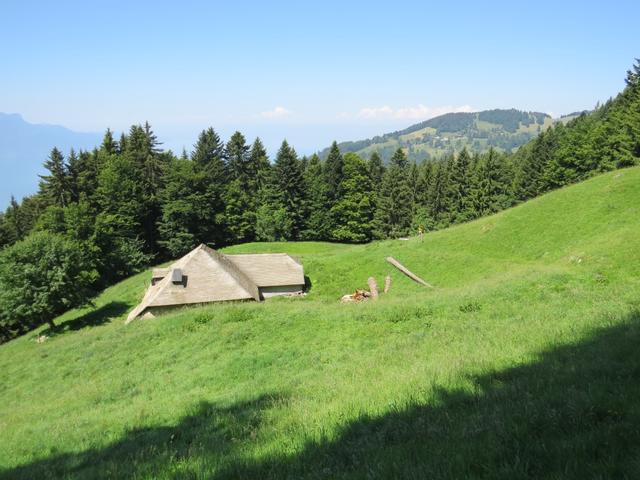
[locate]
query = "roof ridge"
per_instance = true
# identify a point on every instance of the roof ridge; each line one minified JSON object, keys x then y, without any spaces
{"x":242,"y":278}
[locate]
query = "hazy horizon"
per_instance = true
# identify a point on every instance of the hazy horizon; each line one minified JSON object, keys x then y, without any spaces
{"x":311,"y":75}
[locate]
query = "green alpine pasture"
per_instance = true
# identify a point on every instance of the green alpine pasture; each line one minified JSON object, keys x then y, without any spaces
{"x":522,"y":362}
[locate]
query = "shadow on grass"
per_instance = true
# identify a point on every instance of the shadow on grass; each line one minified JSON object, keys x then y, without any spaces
{"x":307,"y":283}
{"x":573,"y":413}
{"x":95,"y":317}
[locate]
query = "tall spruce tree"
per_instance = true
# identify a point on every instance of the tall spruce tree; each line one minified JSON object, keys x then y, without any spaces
{"x":291,"y":185}
{"x":318,"y":225}
{"x":74,"y":170}
{"x":333,"y":173}
{"x":395,"y":202}
{"x":353,"y":212}
{"x":211,"y":178}
{"x":238,"y":159}
{"x":438,"y":198}
{"x":460,"y":187}
{"x":178,"y":223}
{"x":54,"y":186}
{"x":258,"y":166}
{"x":109,"y":145}
{"x":492,"y":190}
{"x":240,"y":207}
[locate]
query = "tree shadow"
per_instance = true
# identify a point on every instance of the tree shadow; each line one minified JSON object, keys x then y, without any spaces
{"x":211,"y":434}
{"x":573,"y":412}
{"x":93,"y":318}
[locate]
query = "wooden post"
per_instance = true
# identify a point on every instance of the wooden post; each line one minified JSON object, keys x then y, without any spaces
{"x":408,"y":272}
{"x":387,"y":284}
{"x":373,"y":287}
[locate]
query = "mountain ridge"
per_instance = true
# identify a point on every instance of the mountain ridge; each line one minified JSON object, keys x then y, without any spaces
{"x":24,"y":146}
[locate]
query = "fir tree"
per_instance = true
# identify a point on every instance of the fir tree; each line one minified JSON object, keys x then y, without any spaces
{"x":258,"y":165}
{"x":290,"y":182}
{"x":238,"y":159}
{"x":178,"y":224}
{"x":211,"y":177}
{"x":109,"y":145}
{"x":318,"y":224}
{"x":333,"y":173}
{"x":54,"y":186}
{"x":353,"y":212}
{"x":460,"y":187}
{"x":74,"y":170}
{"x":395,"y":202}
{"x":491,"y":191}
{"x":438,"y":198}
{"x":239,"y":196}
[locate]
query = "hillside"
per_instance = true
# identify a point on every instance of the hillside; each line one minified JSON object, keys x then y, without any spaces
{"x":521,"y":363}
{"x":25,"y":146}
{"x":504,"y":130}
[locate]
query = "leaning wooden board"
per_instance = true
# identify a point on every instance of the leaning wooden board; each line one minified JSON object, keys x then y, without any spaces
{"x":408,"y":272}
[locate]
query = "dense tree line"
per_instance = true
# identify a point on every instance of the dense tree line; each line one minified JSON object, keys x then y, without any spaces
{"x":128,"y":203}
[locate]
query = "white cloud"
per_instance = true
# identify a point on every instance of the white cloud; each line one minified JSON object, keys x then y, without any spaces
{"x":277,"y":112}
{"x":419,"y":112}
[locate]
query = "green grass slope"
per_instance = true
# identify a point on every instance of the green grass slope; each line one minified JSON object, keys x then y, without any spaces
{"x":522,"y":362}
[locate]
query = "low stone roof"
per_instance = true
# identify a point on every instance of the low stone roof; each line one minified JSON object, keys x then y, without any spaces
{"x":269,"y":269}
{"x":209,"y":276}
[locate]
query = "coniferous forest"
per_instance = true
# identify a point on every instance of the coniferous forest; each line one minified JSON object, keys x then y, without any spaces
{"x":111,"y":212}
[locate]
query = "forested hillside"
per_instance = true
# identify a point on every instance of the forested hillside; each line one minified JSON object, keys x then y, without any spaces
{"x":502,"y":130}
{"x":122,"y":206}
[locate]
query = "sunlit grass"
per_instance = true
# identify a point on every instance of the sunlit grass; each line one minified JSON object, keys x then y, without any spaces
{"x":312,"y":387}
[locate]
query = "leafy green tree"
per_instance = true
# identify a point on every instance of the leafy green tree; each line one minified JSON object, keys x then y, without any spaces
{"x":118,"y":231}
{"x":353,"y":212}
{"x":274,"y":223}
{"x":395,"y":203}
{"x":41,"y":277}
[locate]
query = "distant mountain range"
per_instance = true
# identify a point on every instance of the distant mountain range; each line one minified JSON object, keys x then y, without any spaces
{"x":25,"y":146}
{"x":504,"y":130}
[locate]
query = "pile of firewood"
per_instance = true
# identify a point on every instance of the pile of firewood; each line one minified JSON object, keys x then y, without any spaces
{"x":361,"y":295}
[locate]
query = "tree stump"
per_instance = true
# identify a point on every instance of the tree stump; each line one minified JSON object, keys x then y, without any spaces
{"x":387,"y":284}
{"x":373,"y":287}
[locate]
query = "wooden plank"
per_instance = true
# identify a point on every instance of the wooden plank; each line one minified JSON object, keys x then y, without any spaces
{"x":408,"y":272}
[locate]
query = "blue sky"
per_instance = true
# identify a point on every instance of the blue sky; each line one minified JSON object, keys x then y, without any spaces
{"x":308,"y":71}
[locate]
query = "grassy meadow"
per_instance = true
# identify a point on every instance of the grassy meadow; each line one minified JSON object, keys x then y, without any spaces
{"x":522,"y":362}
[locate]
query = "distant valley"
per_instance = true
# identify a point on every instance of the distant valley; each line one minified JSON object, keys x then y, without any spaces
{"x":24,"y":147}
